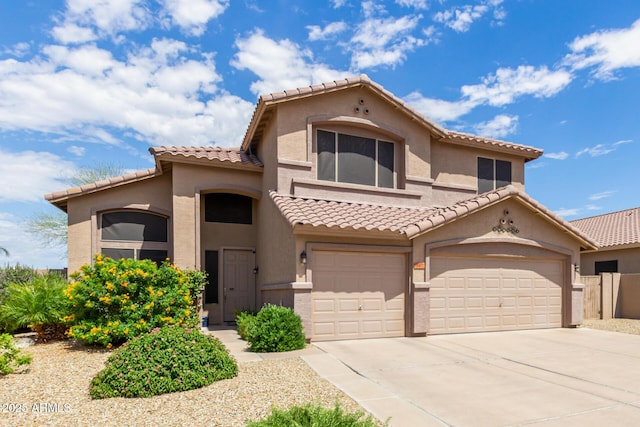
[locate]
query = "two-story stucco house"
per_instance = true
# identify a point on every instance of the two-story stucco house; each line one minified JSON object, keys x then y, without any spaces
{"x":351,"y":207}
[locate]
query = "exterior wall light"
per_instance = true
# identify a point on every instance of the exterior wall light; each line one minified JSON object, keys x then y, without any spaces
{"x":303,"y":257}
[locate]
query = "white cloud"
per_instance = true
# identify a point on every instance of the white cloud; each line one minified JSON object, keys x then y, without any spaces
{"x":499,"y":127}
{"x":596,"y":150}
{"x":557,"y":156}
{"x":26,"y":176}
{"x":437,"y":109}
{"x":507,"y":84}
{"x":382,"y":40}
{"x":622,"y":142}
{"x":18,"y":49}
{"x":593,"y":208}
{"x":78,"y":151}
{"x":192,"y":16}
{"x":108,"y":17}
{"x":606,"y":51}
{"x":417,"y":4}
{"x":565,"y":212}
{"x":497,"y":90}
{"x":602,"y":195}
{"x":279,"y":64}
{"x":338,"y":3}
{"x":318,"y":33}
{"x":157,"y":94}
{"x":460,"y":19}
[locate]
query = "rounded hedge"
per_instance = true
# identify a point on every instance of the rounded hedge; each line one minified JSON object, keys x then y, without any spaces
{"x":274,"y":329}
{"x":165,"y":360}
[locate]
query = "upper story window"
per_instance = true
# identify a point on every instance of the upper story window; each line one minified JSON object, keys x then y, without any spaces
{"x":493,"y":174}
{"x":355,"y":159}
{"x":228,"y":208}
{"x":134,"y":234}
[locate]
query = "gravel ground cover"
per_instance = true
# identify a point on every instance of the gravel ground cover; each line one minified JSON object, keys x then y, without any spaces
{"x":53,"y":391}
{"x":627,"y":326}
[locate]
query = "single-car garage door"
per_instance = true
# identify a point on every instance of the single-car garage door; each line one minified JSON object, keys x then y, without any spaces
{"x":493,"y":294}
{"x":357,"y":295}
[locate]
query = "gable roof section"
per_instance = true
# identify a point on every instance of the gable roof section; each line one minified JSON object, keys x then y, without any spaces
{"x":411,"y":222}
{"x":59,"y":198}
{"x":218,"y":156}
{"x":613,"y":229}
{"x":263,"y":113}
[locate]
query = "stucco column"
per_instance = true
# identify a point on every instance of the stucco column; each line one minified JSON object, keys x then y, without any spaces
{"x":184,"y":231}
{"x":420,"y":311}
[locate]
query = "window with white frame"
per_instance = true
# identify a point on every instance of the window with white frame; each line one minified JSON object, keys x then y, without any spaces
{"x":493,"y":174}
{"x":355,"y":159}
{"x":134,"y":234}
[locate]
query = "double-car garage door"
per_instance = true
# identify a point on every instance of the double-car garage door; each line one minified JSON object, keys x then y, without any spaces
{"x":494,"y":294}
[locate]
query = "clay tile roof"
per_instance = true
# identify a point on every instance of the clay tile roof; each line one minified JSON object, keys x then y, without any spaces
{"x":344,"y":215}
{"x":233,"y":155}
{"x":475,"y":140}
{"x":411,"y":222}
{"x":59,"y":197}
{"x":612,"y":229}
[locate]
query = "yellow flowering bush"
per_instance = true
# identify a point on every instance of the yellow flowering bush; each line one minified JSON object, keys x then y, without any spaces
{"x":113,"y":301}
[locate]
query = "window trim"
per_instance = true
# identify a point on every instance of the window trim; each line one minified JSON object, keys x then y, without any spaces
{"x":494,"y":178}
{"x":336,"y":156}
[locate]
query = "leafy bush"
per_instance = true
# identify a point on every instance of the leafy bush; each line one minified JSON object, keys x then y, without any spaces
{"x":10,"y":356}
{"x":275,"y":328}
{"x":165,"y":360}
{"x":243,"y":321}
{"x":113,"y":301}
{"x":316,"y":416}
{"x":39,"y":304}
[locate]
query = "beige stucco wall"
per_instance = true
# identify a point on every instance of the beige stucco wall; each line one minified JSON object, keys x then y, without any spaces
{"x":152,"y":194}
{"x":628,"y":260}
{"x":189,"y":182}
{"x":629,"y":296}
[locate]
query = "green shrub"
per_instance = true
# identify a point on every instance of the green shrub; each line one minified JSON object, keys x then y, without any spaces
{"x":316,"y":416}
{"x":10,"y":356}
{"x":275,"y":328}
{"x":243,"y":321}
{"x":113,"y":301}
{"x":39,"y":304}
{"x":165,"y":360}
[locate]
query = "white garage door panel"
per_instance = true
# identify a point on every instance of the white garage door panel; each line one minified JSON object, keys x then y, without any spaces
{"x":483,"y":294}
{"x":357,"y":295}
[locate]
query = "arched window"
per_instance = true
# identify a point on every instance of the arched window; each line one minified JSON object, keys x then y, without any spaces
{"x":134,"y":234}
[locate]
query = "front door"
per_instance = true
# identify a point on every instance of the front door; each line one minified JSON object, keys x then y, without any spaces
{"x":239,"y":282}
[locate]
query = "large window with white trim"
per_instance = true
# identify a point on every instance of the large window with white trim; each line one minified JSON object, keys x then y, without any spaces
{"x":134,"y":234}
{"x":355,"y":159}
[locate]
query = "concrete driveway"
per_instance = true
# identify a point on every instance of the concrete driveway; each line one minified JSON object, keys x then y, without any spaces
{"x":552,"y":377}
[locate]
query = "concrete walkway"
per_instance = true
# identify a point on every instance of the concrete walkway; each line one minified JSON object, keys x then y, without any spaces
{"x":553,"y":377}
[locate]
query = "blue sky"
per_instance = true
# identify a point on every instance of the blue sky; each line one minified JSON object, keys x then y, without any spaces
{"x":84,"y":82}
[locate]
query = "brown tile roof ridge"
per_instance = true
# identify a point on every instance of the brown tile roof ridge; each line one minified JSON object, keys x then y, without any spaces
{"x":613,"y":228}
{"x":102,"y":184}
{"x":456,"y":136}
{"x":223,"y":154}
{"x":409,"y":221}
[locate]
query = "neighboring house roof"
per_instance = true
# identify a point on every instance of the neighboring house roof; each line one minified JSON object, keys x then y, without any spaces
{"x":263,"y":113}
{"x":59,"y":198}
{"x":209,"y":155}
{"x":411,"y":222}
{"x":614,"y":229}
{"x":213,"y":156}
